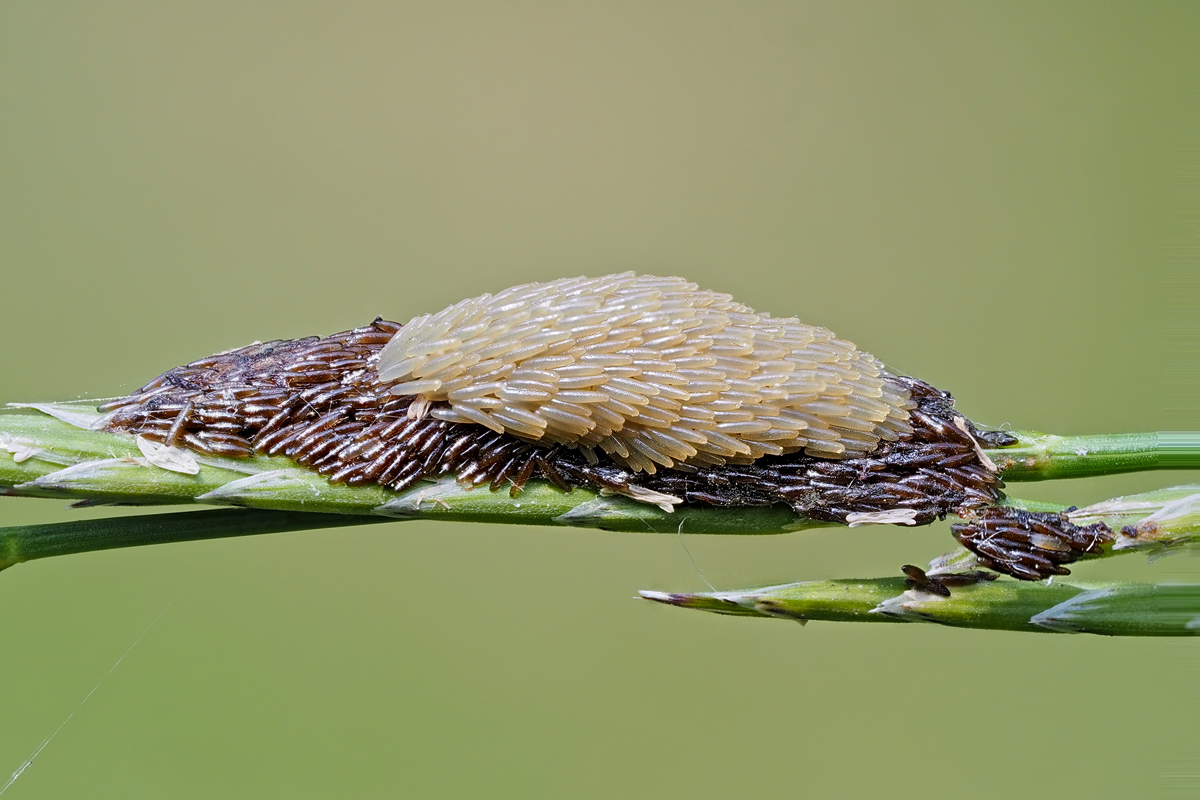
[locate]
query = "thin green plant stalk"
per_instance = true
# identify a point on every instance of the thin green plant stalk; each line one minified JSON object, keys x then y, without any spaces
{"x":103,"y":468}
{"x":44,"y":456}
{"x":28,"y":542}
{"x":1112,"y":609}
{"x":1043,"y":456}
{"x":1152,"y":522}
{"x":52,"y":452}
{"x":1156,"y":522}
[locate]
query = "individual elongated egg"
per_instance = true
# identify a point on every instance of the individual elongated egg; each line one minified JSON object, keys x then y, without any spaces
{"x":652,"y":371}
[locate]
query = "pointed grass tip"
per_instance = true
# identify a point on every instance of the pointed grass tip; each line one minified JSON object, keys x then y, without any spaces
{"x":736,"y":603}
{"x":703,"y":602}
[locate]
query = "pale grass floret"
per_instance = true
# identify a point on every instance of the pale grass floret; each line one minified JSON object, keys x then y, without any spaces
{"x":651,"y":370}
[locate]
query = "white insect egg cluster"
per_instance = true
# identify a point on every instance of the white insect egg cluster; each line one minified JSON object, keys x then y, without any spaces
{"x":651,"y":370}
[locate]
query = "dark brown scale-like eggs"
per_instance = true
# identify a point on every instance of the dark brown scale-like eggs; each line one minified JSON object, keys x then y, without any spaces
{"x":321,"y":402}
{"x":1027,"y":544}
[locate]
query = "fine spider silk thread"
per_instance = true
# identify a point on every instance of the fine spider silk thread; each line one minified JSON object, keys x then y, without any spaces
{"x":27,"y":763}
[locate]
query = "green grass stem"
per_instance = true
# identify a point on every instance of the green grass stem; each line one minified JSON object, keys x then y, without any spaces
{"x":1117,"y":609}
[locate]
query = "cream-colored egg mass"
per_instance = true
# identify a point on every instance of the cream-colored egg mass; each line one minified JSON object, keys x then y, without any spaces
{"x":651,"y":370}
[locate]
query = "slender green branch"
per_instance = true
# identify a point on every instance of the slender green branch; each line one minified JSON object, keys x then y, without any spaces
{"x":56,"y":454}
{"x":1110,"y":609}
{"x":1154,"y":520}
{"x":1043,"y":456}
{"x":27,"y":542}
{"x":44,"y":456}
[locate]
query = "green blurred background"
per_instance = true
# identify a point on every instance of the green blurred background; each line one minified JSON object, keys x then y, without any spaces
{"x":999,"y":198}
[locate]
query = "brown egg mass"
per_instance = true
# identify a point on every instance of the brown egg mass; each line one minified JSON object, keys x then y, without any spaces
{"x":641,"y":386}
